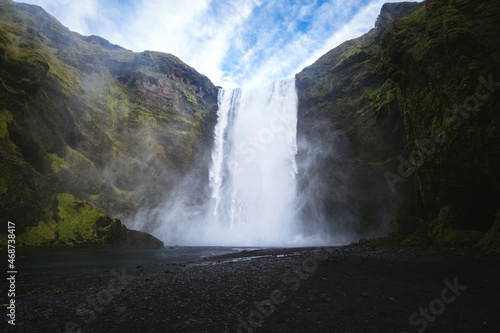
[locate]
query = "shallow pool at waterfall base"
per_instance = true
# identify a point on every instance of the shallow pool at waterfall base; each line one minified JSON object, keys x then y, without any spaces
{"x":38,"y":265}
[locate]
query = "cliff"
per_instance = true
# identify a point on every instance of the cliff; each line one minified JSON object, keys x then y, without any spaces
{"x":82,"y":117}
{"x":349,"y":124}
{"x":406,"y":116}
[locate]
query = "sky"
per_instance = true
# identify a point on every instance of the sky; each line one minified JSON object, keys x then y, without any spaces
{"x":233,"y":42}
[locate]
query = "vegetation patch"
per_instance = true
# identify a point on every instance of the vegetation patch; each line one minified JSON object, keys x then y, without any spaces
{"x":5,"y":118}
{"x":58,"y":163}
{"x":73,"y":223}
{"x":490,"y":242}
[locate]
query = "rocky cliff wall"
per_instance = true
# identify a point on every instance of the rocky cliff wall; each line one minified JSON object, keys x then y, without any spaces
{"x":403,"y":123}
{"x":350,"y":130}
{"x":81,"y":116}
{"x":445,"y":59}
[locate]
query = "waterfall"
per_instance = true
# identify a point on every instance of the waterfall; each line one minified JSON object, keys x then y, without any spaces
{"x":253,"y":170}
{"x":253,"y":199}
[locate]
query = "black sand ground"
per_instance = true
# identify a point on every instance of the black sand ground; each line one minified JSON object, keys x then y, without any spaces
{"x":344,"y":289}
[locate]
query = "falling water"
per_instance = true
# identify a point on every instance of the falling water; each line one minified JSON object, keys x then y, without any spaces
{"x":253,"y":197}
{"x":253,"y":171}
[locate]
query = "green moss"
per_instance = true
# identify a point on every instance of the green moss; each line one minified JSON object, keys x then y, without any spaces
{"x":460,"y":237}
{"x":442,"y":222}
{"x":36,"y":58}
{"x":417,"y":238}
{"x":201,"y":115}
{"x":12,"y":90}
{"x":74,"y":223}
{"x":5,"y":118}
{"x":122,"y":194}
{"x":141,"y":115}
{"x":190,"y":97}
{"x":44,"y":234}
{"x":413,"y":27}
{"x":442,"y":231}
{"x":374,"y":92}
{"x":108,"y":103}
{"x":77,"y":220}
{"x":58,"y":163}
{"x":490,"y":242}
{"x":76,"y":159}
{"x":382,"y":95}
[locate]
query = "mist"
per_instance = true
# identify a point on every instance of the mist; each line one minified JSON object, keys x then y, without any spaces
{"x":324,"y":200}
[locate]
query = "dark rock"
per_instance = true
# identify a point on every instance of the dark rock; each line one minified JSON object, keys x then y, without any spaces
{"x":392,"y":11}
{"x":140,"y":240}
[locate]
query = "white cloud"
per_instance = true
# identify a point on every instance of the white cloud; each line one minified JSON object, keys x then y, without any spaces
{"x":196,"y":31}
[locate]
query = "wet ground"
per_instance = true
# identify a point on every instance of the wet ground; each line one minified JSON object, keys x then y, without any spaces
{"x":342,"y":289}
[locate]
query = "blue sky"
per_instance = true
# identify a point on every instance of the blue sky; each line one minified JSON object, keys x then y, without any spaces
{"x":233,"y":42}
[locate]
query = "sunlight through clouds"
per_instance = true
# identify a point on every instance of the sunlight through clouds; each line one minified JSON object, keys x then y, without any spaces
{"x":233,"y":42}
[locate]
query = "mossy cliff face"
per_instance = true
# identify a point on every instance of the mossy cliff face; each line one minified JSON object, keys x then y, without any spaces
{"x":410,"y":111}
{"x":445,"y":59}
{"x":79,"y":115}
{"x":350,"y":132}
